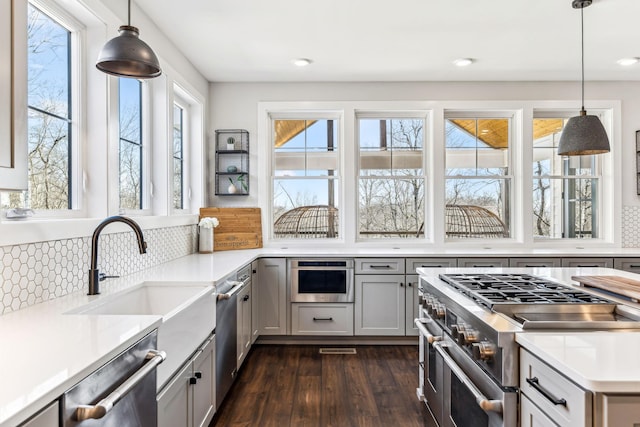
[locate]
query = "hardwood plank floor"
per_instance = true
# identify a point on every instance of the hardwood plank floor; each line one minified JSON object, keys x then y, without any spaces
{"x":295,"y":385}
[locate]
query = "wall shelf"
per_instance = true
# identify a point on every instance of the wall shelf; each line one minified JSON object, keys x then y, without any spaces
{"x":232,"y":162}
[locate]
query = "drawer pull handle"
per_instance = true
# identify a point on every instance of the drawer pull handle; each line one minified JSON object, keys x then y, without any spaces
{"x":326,"y":319}
{"x":634,"y":266}
{"x":380,"y":266}
{"x":588,"y":265}
{"x":535,"y":383}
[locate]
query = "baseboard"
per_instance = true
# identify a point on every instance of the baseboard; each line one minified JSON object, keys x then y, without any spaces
{"x":331,"y":340}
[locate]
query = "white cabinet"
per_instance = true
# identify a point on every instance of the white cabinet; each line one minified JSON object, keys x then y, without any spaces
{"x":271,"y":294}
{"x":321,"y":319}
{"x":380,"y":304}
{"x":189,"y":398}
{"x":532,"y":416}
{"x":244,"y":323}
{"x":48,"y":417}
{"x":13,"y":95}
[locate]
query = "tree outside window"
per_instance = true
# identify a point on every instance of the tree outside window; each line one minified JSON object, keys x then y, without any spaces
{"x":130,"y":143}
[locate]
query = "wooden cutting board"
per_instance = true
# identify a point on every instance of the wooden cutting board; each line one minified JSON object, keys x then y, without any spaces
{"x":616,"y":284}
{"x":239,"y":228}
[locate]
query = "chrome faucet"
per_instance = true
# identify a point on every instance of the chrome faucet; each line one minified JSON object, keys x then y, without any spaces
{"x":94,"y":274}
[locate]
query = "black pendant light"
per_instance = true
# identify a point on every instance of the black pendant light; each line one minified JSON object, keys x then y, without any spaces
{"x":583,"y":134}
{"x":128,"y":56}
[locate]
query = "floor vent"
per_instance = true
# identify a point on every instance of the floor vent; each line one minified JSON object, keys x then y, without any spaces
{"x":337,"y":351}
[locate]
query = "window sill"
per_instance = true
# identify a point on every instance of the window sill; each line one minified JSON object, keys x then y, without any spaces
{"x":39,"y":230}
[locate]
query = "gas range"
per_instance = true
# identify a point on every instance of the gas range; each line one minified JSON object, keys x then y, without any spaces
{"x":480,"y":313}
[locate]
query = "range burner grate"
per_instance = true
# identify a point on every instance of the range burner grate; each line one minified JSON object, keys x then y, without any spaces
{"x":492,"y":289}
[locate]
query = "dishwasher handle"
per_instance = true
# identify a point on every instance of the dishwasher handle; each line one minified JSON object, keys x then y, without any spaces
{"x":99,"y":410}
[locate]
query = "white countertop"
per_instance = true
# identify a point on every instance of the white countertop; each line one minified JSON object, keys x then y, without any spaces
{"x":44,"y":351}
{"x":597,"y":361}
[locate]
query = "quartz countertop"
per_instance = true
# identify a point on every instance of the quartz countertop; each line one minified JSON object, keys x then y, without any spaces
{"x":45,"y":351}
{"x":597,"y":361}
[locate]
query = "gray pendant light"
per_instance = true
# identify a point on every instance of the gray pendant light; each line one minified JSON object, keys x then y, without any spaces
{"x":583,"y":134}
{"x":128,"y":56}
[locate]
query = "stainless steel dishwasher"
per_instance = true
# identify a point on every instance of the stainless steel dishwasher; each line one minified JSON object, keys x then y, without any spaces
{"x":226,"y":336}
{"x":121,"y":393}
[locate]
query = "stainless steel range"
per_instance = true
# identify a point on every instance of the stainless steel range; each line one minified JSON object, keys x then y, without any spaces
{"x":468,"y":354}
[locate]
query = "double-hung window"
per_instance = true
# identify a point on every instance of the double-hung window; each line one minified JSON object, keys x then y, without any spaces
{"x":565,"y":189}
{"x":130,"y":144}
{"x":391,"y":182}
{"x":178,"y":155}
{"x":478,"y":181}
{"x":50,"y":123}
{"x":305,"y":177}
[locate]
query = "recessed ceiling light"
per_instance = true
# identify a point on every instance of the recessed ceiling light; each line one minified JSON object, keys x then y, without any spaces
{"x":463,"y":62}
{"x":625,"y":62}
{"x":301,"y":62}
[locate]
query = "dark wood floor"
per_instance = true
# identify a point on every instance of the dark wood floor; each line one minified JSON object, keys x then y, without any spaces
{"x":296,"y":386}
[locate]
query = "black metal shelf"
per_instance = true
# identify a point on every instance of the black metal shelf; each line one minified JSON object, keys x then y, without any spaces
{"x":236,"y":158}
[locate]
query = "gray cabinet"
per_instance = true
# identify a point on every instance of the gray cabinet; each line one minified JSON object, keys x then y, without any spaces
{"x":379,"y":266}
{"x":271,"y":294}
{"x":627,"y":264}
{"x":412,"y":263}
{"x":535,"y":262}
{"x":483,"y":262}
{"x":380,"y":304}
{"x":322,"y":319}
{"x":13,"y":95}
{"x":587,"y":262}
{"x":48,"y":417}
{"x":411,"y":304}
{"x":255,"y":329}
{"x":189,"y":398}
{"x":244,"y":323}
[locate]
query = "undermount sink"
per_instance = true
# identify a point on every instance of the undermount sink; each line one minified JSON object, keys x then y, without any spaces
{"x":188,"y":316}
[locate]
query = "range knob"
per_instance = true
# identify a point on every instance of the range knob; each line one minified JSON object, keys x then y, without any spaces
{"x":483,"y":350}
{"x":456,"y":330}
{"x":468,"y":336}
{"x":438,"y":311}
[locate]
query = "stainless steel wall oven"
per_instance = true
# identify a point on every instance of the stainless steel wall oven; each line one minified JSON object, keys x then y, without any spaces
{"x":321,"y":280}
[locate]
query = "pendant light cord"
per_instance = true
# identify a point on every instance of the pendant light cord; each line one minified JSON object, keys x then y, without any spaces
{"x":129,"y":15}
{"x":582,"y":51}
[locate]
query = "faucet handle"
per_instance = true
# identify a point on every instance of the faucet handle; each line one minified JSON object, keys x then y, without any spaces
{"x":103,"y":276}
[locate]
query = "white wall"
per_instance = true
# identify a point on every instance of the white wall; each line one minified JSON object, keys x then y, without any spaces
{"x":235,"y":105}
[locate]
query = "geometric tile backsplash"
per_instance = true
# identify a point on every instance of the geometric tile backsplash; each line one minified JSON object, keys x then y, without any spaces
{"x":631,"y":227}
{"x":37,"y":272}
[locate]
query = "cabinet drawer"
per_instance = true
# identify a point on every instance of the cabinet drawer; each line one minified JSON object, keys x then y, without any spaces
{"x":535,"y":262}
{"x":380,"y":266}
{"x":627,"y":264}
{"x":552,"y":385}
{"x":532,"y":416}
{"x":413,"y":263}
{"x":587,"y":262}
{"x":483,"y":262}
{"x":321,"y":319}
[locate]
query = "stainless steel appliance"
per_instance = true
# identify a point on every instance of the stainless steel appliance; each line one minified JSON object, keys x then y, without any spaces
{"x":321,"y":280}
{"x":121,"y":393}
{"x":227,"y":333}
{"x":468,"y":354}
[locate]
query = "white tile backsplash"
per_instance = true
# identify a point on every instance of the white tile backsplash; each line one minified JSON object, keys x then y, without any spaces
{"x":36,"y":272}
{"x":631,"y":227}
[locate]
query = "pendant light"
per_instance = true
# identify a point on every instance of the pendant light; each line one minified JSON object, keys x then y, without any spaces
{"x":128,"y":56}
{"x":583,"y":134}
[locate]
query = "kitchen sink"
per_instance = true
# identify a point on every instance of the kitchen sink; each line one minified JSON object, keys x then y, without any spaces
{"x":188,"y":316}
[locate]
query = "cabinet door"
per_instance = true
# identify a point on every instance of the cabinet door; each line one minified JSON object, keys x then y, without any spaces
{"x":48,"y":417}
{"x":255,"y":330}
{"x":483,"y":262}
{"x":411,"y":305}
{"x":627,"y":264}
{"x":174,"y":409}
{"x":13,"y":95}
{"x":532,"y":416}
{"x":272,"y":290}
{"x":204,"y":392}
{"x":380,"y":305}
{"x":244,"y":324}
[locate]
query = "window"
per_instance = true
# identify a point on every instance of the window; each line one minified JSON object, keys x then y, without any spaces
{"x":391,"y":182}
{"x":478,"y":177}
{"x":565,"y":189}
{"x":178,"y":156}
{"x":130,"y":143}
{"x":50,"y":119}
{"x":305,"y":178}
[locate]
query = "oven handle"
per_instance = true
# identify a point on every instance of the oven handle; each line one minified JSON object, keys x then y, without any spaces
{"x":485,"y":404}
{"x":423,"y":331}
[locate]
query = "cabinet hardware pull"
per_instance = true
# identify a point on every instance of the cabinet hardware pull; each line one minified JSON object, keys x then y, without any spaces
{"x":535,"y":383}
{"x":99,"y":410}
{"x":380,"y":266}
{"x":317,"y":319}
{"x":409,"y":284}
{"x":401,"y":284}
{"x":634,"y":266}
{"x":193,"y":380}
{"x":198,"y":374}
{"x":587,"y":265}
{"x":246,"y":298}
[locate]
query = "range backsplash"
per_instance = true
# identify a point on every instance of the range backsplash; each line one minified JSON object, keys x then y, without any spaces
{"x":37,"y":272}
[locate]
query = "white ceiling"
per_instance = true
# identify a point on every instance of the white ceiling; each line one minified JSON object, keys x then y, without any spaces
{"x":400,"y":40}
